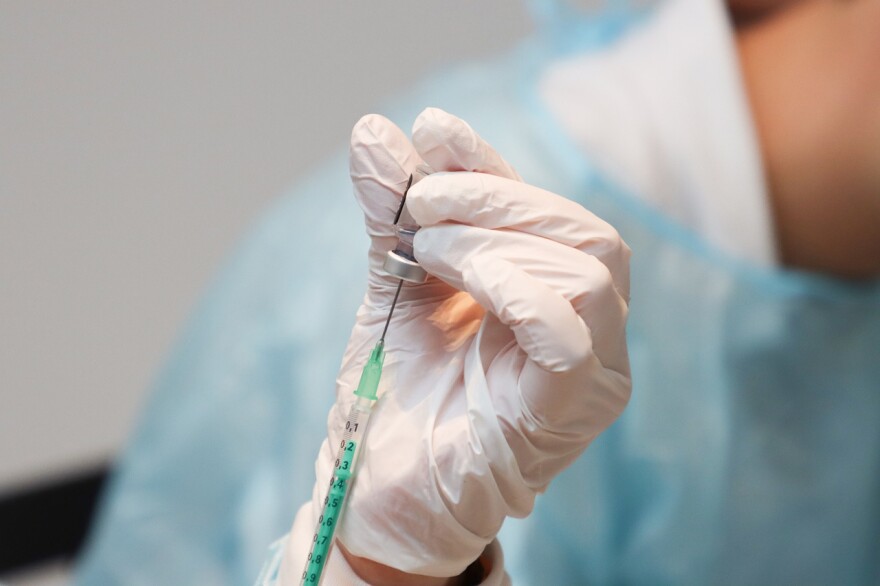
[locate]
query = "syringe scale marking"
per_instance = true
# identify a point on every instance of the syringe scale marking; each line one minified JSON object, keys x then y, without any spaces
{"x":332,"y":504}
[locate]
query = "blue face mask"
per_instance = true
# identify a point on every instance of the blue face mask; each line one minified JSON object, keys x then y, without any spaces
{"x":748,"y":454}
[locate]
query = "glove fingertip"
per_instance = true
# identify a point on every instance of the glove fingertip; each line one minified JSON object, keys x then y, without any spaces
{"x":432,"y":120}
{"x":378,"y":148}
{"x":380,"y":161}
{"x":444,"y":141}
{"x":448,"y":143}
{"x":373,"y":129}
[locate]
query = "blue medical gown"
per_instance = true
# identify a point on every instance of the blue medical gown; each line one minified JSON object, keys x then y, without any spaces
{"x":749,"y":454}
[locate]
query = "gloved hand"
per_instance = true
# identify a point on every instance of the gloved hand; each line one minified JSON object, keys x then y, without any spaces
{"x":500,"y":369}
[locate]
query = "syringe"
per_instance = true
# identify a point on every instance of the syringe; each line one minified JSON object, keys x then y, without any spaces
{"x":401,"y":263}
{"x":346,"y":463}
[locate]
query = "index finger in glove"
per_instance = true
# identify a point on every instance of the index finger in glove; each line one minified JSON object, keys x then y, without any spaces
{"x":448,"y":143}
{"x":494,"y":203}
{"x":580,"y":280}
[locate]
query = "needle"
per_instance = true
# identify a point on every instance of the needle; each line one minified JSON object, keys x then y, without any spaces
{"x":391,"y":311}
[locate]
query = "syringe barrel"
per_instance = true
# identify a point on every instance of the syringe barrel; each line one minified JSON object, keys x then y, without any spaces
{"x":336,"y":496}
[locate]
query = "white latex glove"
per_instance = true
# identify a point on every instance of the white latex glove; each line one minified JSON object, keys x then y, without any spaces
{"x":500,"y":369}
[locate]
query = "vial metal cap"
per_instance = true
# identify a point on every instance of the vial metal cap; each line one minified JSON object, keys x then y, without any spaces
{"x":403,"y":268}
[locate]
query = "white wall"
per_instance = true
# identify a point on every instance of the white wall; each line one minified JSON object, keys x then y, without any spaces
{"x":137,"y":139}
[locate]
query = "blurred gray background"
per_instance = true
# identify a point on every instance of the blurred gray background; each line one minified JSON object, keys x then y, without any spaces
{"x":137,"y":142}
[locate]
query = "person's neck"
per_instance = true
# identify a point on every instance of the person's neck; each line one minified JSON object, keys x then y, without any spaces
{"x":814,"y":87}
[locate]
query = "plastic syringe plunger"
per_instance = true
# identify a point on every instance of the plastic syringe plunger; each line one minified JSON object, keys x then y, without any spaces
{"x":401,"y":262}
